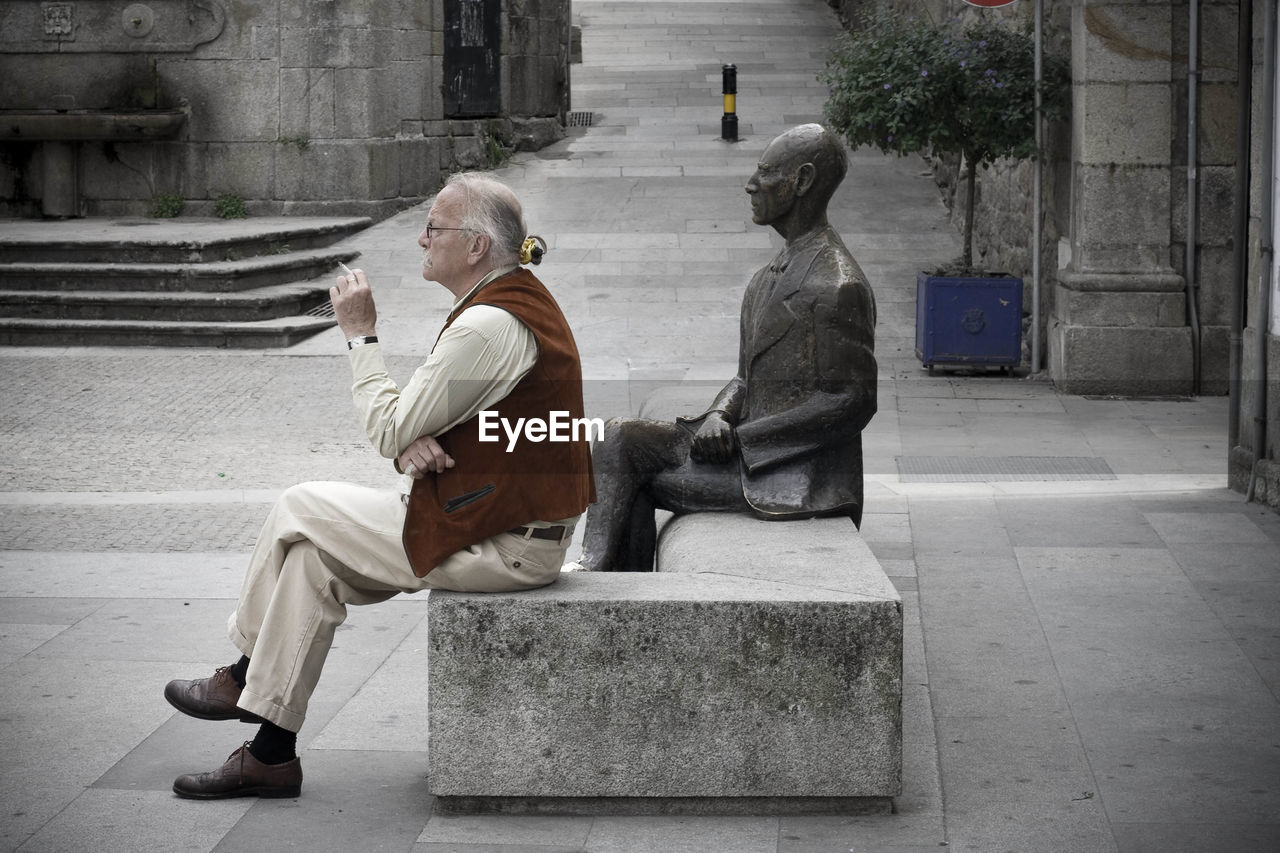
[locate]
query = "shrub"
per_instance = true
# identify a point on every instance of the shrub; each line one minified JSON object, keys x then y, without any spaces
{"x":230,"y":206}
{"x":167,"y":205}
{"x":905,"y":85}
{"x":496,"y":155}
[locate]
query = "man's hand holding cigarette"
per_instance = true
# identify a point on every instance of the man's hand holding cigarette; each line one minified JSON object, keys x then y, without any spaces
{"x":353,"y":303}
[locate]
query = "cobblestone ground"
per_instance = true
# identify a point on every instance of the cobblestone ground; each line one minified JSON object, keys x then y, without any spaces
{"x":168,"y":421}
{"x":223,"y":432}
{"x":150,"y":528}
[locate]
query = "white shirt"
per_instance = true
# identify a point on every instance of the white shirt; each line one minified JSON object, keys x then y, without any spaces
{"x":476,"y":362}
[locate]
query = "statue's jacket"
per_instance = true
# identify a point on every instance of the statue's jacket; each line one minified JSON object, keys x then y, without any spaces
{"x":806,"y":382}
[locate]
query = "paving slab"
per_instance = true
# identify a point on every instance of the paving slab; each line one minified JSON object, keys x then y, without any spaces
{"x":35,"y":574}
{"x":165,"y":629}
{"x":1099,"y":521}
{"x":389,"y":709}
{"x":350,"y":803}
{"x":1040,"y":759}
{"x":65,"y":723}
{"x":897,"y":833}
{"x":1193,"y":837}
{"x":683,"y":834}
{"x":179,"y":745}
{"x":16,"y":641}
{"x":138,"y":820}
{"x":554,"y":832}
{"x":1078,"y":824}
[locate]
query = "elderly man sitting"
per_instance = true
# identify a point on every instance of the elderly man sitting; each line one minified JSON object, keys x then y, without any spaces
{"x":474,"y":515}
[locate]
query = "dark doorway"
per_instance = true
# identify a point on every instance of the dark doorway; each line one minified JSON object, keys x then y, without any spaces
{"x":472,"y":60}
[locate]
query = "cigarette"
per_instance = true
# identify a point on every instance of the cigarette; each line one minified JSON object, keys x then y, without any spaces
{"x":346,"y":269}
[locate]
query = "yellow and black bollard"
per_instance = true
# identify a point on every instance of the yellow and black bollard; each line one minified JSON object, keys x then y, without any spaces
{"x":729,"y":122}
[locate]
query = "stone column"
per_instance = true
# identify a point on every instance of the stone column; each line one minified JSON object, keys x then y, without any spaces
{"x":1119,"y":324}
{"x":535,"y":70}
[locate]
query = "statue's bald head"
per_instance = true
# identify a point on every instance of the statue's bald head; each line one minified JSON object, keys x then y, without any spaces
{"x":813,"y":143}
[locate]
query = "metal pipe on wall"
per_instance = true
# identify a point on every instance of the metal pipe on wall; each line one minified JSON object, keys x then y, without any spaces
{"x":1240,"y":229}
{"x":1267,"y":239}
{"x":1193,"y":191}
{"x":1037,"y":199}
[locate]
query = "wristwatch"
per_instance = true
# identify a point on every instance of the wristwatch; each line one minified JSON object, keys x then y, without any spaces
{"x":361,"y":340}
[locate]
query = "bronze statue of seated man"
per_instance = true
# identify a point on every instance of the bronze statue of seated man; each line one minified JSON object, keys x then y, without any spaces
{"x":783,"y":439}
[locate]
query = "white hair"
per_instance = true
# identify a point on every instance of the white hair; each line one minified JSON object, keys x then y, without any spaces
{"x":492,"y":209}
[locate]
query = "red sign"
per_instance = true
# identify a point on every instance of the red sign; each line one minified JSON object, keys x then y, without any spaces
{"x":988,"y":4}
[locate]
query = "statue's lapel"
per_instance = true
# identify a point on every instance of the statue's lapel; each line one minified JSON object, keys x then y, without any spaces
{"x":774,"y":315}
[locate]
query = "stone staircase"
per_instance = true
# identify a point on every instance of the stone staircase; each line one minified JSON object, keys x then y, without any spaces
{"x":258,"y":282}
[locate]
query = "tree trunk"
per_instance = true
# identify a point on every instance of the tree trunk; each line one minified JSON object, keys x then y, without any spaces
{"x":972,"y":164}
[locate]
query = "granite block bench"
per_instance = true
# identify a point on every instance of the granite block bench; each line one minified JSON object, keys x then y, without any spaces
{"x":758,"y":671}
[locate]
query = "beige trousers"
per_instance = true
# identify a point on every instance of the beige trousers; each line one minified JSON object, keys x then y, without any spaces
{"x":327,"y":545}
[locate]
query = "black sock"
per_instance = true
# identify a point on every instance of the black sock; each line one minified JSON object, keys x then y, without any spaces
{"x":239,"y":670}
{"x":274,"y":745}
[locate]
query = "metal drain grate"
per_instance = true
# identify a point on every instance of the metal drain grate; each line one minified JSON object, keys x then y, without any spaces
{"x":580,"y":119}
{"x":994,"y":469}
{"x":324,"y":309}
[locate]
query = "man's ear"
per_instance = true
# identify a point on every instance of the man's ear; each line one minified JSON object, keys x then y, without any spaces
{"x":805,"y":176}
{"x":479,"y":249}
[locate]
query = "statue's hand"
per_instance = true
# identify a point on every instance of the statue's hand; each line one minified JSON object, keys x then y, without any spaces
{"x":714,"y":441}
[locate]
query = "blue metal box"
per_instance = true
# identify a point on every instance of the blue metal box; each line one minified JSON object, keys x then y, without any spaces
{"x":968,"y":321}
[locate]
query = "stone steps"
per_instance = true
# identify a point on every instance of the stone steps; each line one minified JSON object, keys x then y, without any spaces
{"x":260,"y":282}
{"x":261,"y":303}
{"x":205,"y":276}
{"x":184,"y":240}
{"x":277,"y":332}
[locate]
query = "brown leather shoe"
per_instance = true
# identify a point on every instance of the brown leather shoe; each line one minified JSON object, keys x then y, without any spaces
{"x":212,"y":698}
{"x":242,"y":776}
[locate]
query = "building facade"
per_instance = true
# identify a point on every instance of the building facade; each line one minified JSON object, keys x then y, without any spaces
{"x":293,"y":106}
{"x":1158,"y":275}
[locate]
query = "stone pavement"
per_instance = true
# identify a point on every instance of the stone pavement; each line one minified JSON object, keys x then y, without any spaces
{"x":1092,"y":641}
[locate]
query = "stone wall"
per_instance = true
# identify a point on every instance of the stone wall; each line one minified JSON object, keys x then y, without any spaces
{"x":295,"y":106}
{"x":1214,"y":271}
{"x":1255,"y":449}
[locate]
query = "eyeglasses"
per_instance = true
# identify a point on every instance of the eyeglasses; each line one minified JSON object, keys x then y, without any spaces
{"x":431,"y":229}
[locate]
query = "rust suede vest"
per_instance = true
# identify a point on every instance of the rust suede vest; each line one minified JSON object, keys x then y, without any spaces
{"x":490,"y":490}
